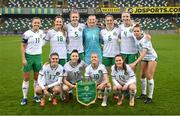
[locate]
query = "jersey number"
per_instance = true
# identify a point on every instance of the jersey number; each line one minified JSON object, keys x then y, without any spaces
{"x":109,"y":38}
{"x":52,"y":77}
{"x":60,"y":38}
{"x":37,"y":40}
{"x":76,"y":35}
{"x":96,"y":76}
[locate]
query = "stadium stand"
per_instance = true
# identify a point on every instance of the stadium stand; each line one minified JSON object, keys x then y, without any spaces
{"x":22,"y":24}
{"x":135,"y":3}
{"x":83,"y":3}
{"x":19,"y":24}
{"x":29,"y":3}
{"x":177,"y":21}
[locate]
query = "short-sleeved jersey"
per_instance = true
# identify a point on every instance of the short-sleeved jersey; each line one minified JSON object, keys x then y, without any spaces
{"x":50,"y":74}
{"x":121,"y":77}
{"x":95,"y":74}
{"x":75,"y":37}
{"x":57,"y":42}
{"x":144,"y":43}
{"x":91,"y":39}
{"x":127,"y":41}
{"x":111,"y":42}
{"x":33,"y":40}
{"x":73,"y":74}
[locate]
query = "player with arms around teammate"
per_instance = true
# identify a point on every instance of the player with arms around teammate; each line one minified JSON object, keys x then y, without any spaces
{"x":110,"y":36}
{"x":57,"y":39}
{"x":50,"y":80}
{"x":91,"y":39}
{"x":148,"y":62}
{"x":123,"y":79}
{"x":75,"y":34}
{"x":73,"y":73}
{"x":97,"y":72}
{"x":31,"y":50}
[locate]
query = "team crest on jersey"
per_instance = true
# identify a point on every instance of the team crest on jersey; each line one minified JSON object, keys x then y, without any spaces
{"x":140,"y":45}
{"x":115,"y":34}
{"x":100,"y":72}
{"x":80,"y":68}
{"x":80,"y":29}
{"x":47,"y":72}
{"x":41,"y":35}
{"x":131,"y":30}
{"x":57,"y":73}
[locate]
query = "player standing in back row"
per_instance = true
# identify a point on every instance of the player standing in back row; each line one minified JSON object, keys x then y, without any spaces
{"x":128,"y":48}
{"x":31,"y":50}
{"x":75,"y":35}
{"x":110,"y":36}
{"x":57,"y":38}
{"x":91,"y":40}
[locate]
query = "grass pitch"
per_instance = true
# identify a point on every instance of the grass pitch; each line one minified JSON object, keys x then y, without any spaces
{"x":166,"y":99}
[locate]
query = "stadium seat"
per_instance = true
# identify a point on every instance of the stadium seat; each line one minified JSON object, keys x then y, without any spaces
{"x":23,"y":24}
{"x":30,"y":3}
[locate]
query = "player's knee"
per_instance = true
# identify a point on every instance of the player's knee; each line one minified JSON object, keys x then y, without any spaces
{"x":119,"y":87}
{"x":108,"y":89}
{"x":149,"y":76}
{"x":56,"y":90}
{"x":114,"y":88}
{"x":124,"y":88}
{"x":108,"y":85}
{"x":142,"y":76}
{"x":65,"y":88}
{"x":26,"y":76}
{"x":132,"y":87}
{"x":36,"y":75}
{"x":38,"y":90}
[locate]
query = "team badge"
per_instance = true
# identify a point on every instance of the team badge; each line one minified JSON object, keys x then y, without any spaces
{"x":131,"y":30}
{"x":80,"y":29}
{"x":140,"y":45}
{"x":57,"y":73}
{"x":41,"y":35}
{"x":115,"y":34}
{"x":109,"y":39}
{"x":86,"y":93}
{"x":100,"y":71}
{"x":80,"y":68}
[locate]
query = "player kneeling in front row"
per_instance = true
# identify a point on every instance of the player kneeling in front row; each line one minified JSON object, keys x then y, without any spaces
{"x":50,"y":80}
{"x":124,"y":79}
{"x":73,"y":73}
{"x":97,"y":72}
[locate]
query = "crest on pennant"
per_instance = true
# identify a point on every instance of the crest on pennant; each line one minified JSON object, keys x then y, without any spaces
{"x":86,"y":92}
